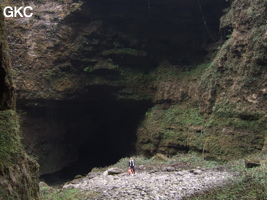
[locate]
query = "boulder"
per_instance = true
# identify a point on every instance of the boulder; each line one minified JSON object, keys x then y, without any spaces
{"x":161,"y":157}
{"x":252,"y":163}
{"x":78,"y":177}
{"x":114,"y":171}
{"x":168,"y":169}
{"x":43,"y":185}
{"x":91,"y":175}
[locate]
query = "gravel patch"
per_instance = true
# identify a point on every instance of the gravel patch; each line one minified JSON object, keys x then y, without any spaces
{"x":167,"y":183}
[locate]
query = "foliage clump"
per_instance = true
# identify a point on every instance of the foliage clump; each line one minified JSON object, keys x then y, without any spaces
{"x":9,"y":138}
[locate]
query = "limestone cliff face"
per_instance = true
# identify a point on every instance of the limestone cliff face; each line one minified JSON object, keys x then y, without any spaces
{"x":219,"y":108}
{"x":65,"y":52}
{"x":18,"y":172}
{"x":69,"y":69}
{"x":85,"y":71}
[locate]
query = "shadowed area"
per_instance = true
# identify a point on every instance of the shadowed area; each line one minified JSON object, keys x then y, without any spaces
{"x":94,"y":95}
{"x":80,"y":135}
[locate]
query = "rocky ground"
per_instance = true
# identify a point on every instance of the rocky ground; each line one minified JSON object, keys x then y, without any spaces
{"x":164,"y":182}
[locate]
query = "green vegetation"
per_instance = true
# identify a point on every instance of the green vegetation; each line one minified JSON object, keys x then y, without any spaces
{"x":49,"y":193}
{"x":141,"y":160}
{"x":88,"y":69}
{"x":134,"y":82}
{"x":246,"y":184}
{"x":85,"y":44}
{"x":176,"y":126}
{"x":196,"y":72}
{"x":102,"y":64}
{"x":9,"y":138}
{"x":56,"y":72}
{"x":124,"y":51}
{"x":166,"y":71}
{"x":221,"y":135}
{"x":249,"y":184}
{"x":18,"y":171}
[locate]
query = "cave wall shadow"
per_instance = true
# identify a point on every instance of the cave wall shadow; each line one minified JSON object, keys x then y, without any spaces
{"x":115,"y":136}
{"x":71,"y":138}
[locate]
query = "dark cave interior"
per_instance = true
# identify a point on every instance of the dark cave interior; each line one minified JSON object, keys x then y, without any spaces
{"x":89,"y":134}
{"x":97,"y":133}
{"x":180,"y":32}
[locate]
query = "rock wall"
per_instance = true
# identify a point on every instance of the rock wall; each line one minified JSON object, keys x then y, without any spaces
{"x":18,"y":172}
{"x":100,"y":56}
{"x":207,"y":87}
{"x":68,"y":68}
{"x":219,"y":108}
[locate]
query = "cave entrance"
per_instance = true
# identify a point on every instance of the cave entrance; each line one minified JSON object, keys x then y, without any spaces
{"x":70,"y":138}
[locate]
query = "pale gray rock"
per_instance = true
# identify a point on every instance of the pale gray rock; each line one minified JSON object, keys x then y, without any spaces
{"x":168,"y":169}
{"x":196,"y":171}
{"x":156,"y":185}
{"x":91,"y":175}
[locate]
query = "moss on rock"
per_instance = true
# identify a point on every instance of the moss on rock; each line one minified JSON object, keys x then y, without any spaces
{"x":183,"y":128}
{"x":219,"y":111}
{"x":18,"y":172}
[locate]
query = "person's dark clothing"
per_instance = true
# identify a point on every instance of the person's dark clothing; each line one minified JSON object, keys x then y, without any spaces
{"x":131,"y":165}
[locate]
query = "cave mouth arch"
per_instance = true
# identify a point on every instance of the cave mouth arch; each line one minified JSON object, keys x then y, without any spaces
{"x":70,"y":137}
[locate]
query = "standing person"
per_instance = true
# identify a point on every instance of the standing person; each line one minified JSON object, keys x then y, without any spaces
{"x":132,"y":164}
